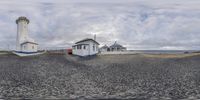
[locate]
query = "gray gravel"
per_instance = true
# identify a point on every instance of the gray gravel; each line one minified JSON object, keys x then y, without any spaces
{"x":114,"y":76}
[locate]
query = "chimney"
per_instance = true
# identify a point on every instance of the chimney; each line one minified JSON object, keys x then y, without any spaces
{"x":95,"y":37}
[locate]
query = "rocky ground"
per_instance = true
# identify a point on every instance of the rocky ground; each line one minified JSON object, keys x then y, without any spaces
{"x":109,"y":76}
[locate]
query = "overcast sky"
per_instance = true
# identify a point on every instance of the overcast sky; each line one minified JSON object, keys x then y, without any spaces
{"x":136,"y":24}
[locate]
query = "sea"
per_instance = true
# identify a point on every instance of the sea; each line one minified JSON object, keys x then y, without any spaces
{"x":165,"y":51}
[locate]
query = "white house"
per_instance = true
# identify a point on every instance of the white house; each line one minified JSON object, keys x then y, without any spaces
{"x":85,"y":47}
{"x":117,"y":47}
{"x":105,"y":48}
{"x":113,"y":48}
{"x":24,"y":43}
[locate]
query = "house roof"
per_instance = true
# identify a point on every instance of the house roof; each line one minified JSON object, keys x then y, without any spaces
{"x":79,"y":44}
{"x":105,"y":46}
{"x":29,"y":42}
{"x":116,"y":45}
{"x":87,"y":39}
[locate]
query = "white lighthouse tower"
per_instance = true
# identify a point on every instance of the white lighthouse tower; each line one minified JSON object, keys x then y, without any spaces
{"x":24,"y":43}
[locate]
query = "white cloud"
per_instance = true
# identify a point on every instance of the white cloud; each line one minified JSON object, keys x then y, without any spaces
{"x":146,"y":24}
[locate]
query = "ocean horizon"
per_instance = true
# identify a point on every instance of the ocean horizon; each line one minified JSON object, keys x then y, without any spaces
{"x":164,"y":51}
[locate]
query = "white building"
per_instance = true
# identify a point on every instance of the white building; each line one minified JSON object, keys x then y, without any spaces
{"x":105,"y":48}
{"x":29,"y":47}
{"x":86,"y":47}
{"x":24,"y":43}
{"x":113,"y":48}
{"x":117,"y":47}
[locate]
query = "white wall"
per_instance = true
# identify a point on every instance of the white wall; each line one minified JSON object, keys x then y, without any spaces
{"x":22,"y":36}
{"x":96,"y":50}
{"x":81,"y":52}
{"x":22,"y":32}
{"x":89,"y":49}
{"x":103,"y":50}
{"x":29,"y":47}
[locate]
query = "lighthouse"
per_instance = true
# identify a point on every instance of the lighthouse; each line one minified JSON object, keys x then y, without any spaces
{"x":23,"y":42}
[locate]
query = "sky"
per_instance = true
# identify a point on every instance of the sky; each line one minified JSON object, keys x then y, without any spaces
{"x":136,"y":24}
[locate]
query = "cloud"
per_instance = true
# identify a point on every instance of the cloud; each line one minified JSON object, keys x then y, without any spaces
{"x":137,"y":24}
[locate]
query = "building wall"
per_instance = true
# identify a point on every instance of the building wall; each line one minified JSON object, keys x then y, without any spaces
{"x":116,"y":49}
{"x":22,"y":32}
{"x":89,"y":49}
{"x":81,"y":52}
{"x":29,"y":47}
{"x":112,"y":49}
{"x":94,"y":50}
{"x":104,"y":49}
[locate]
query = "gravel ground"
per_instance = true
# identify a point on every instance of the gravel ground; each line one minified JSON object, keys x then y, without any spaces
{"x":113,"y":76}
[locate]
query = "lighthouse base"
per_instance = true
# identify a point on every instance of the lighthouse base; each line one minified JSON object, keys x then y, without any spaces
{"x":23,"y":54}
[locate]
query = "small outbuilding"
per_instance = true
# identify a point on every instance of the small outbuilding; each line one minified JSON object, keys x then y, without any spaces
{"x":29,"y":47}
{"x":105,"y":48}
{"x":85,"y":47}
{"x":113,"y":48}
{"x":117,"y":47}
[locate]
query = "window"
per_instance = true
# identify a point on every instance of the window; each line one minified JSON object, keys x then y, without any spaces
{"x":84,"y":47}
{"x":80,"y":46}
{"x":32,"y":47}
{"x":93,"y":48}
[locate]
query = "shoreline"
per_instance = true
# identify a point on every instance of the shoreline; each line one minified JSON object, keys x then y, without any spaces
{"x":156,"y":55}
